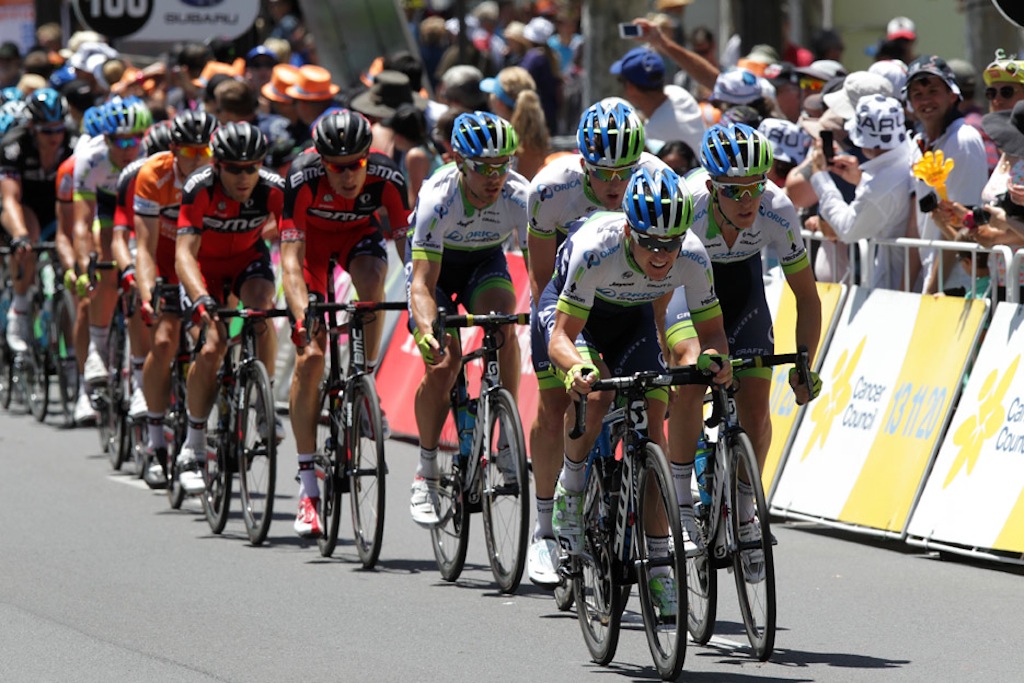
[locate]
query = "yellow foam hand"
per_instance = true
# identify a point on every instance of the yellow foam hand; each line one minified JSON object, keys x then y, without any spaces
{"x":933,"y":168}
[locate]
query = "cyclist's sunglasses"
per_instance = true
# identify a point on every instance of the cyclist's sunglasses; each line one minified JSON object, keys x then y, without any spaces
{"x":609,"y":174}
{"x":737,"y":191}
{"x":1005,"y":92}
{"x":667,"y":244}
{"x":51,"y":130}
{"x":341,"y":168}
{"x":125,"y":143}
{"x":811,"y":84}
{"x":485,"y":169}
{"x":238,"y":169}
{"x":195,"y":152}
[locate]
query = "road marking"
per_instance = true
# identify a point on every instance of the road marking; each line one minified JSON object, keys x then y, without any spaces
{"x":725,"y":643}
{"x":131,"y":480}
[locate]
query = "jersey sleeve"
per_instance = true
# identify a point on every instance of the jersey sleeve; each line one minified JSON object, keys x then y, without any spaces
{"x":66,"y":181}
{"x":581,"y":276}
{"x":395,"y":198}
{"x":544,"y":221}
{"x":427,"y":236}
{"x":786,"y":239}
{"x":147,"y":194}
{"x":84,"y":183}
{"x":519,"y":214}
{"x":293,"y":215}
{"x":10,"y":157}
{"x":124,"y":215}
{"x":194,"y":200}
{"x":699,"y":280}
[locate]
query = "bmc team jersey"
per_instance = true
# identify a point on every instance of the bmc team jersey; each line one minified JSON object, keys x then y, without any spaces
{"x":96,"y":179}
{"x":19,"y":160}
{"x":124,"y":210}
{"x":329,"y":224}
{"x":448,"y":229}
{"x":158,"y":195}
{"x":560,"y":194}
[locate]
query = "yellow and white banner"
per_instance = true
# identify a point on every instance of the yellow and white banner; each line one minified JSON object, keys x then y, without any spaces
{"x":890,"y":375}
{"x":975,"y":493}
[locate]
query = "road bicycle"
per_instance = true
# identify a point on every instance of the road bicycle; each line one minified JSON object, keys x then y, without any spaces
{"x":350,"y":433}
{"x":483,"y":465}
{"x":731,"y":462}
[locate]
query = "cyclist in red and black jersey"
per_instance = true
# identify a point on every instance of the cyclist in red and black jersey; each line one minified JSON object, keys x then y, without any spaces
{"x":224,"y":209}
{"x":331,"y":197}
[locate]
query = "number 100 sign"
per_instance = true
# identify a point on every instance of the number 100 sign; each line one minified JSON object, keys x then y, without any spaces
{"x":167,"y":20}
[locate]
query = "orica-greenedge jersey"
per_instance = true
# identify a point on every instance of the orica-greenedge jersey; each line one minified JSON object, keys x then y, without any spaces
{"x":446,"y":224}
{"x":776,"y":224}
{"x":596,"y":271}
{"x":95,"y":178}
{"x":560,"y":194}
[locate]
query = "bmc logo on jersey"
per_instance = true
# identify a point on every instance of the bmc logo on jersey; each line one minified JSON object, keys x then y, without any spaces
{"x":343,"y":216}
{"x":233,"y":224}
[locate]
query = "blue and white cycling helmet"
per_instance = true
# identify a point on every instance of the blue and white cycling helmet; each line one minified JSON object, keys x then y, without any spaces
{"x":47,"y":106}
{"x":481,"y":134}
{"x":610,"y":135}
{"x":128,"y":116}
{"x":658,"y":204}
{"x":736,"y":151}
{"x":11,"y":93}
{"x":94,"y":121}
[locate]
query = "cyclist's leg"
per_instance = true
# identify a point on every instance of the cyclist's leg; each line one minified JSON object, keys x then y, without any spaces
{"x":255,"y":287}
{"x":156,"y":374}
{"x":304,"y":412}
{"x":368,"y":268}
{"x":22,"y":269}
{"x":102,"y":302}
{"x":490,"y":290}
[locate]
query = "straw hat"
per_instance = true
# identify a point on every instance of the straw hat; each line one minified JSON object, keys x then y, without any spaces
{"x":313,"y":85}
{"x":281,"y":78}
{"x":390,"y":90}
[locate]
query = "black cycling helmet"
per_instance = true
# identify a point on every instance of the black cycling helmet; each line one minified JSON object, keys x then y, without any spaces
{"x":342,"y":133}
{"x":158,"y":138}
{"x":239,"y":142}
{"x":47,"y":106}
{"x":192,"y":128}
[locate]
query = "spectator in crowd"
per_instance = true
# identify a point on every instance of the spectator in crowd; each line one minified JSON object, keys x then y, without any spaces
{"x":186,"y":92}
{"x":488,"y":36}
{"x":740,"y":87}
{"x":259,"y":65}
{"x":516,"y":44}
{"x":474,"y":56}
{"x":286,"y":18}
{"x":901,"y":39}
{"x":542,"y":64}
{"x":10,"y":64}
{"x":514,"y":97}
{"x":275,"y":100}
{"x":791,"y":52}
{"x":568,"y":45}
{"x":314,"y":93}
{"x":80,"y":97}
{"x":236,"y":102}
{"x":788,"y":95}
{"x":843,"y":102}
{"x":281,"y":48}
{"x":790,"y":143}
{"x":460,"y":87}
{"x":390,"y":90}
{"x":38,"y":62}
{"x":433,"y":41}
{"x":678,"y":156}
{"x":419,"y":160}
{"x":893,"y":70}
{"x":827,"y":44}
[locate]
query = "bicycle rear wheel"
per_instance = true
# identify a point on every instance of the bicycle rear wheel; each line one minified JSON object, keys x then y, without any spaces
{"x":177,"y":420}
{"x":505,"y":492}
{"x":450,"y":538}
{"x":257,"y":452}
{"x":755,"y":580}
{"x":663,"y":612}
{"x":366,"y":470}
{"x":702,"y":581}
{"x":218,"y":470}
{"x":599,"y":597}
{"x":116,"y":410}
{"x":62,"y":353}
{"x":328,"y":470}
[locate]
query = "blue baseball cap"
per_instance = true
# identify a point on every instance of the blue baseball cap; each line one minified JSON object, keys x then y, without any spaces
{"x":642,"y":67}
{"x":261,"y":51}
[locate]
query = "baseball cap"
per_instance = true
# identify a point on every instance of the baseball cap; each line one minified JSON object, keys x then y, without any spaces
{"x":878,"y":123}
{"x":539,"y":30}
{"x":931,"y":65}
{"x":901,"y":27}
{"x":642,"y":67}
{"x":261,"y":51}
{"x":780,"y":74}
{"x":823,"y":69}
{"x":857,"y":85}
{"x":737,"y":86}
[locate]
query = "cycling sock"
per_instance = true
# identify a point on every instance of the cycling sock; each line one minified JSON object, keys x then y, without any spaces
{"x":196,"y":438}
{"x":155,"y":422}
{"x":543,"y":528}
{"x":574,"y":475}
{"x":19,"y":302}
{"x":746,"y":501}
{"x":681,"y":478}
{"x":657,"y":546}
{"x":137,"y":363}
{"x":309,"y":487}
{"x":99,"y":339}
{"x":427,"y":469}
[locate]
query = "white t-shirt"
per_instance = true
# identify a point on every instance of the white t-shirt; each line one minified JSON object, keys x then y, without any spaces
{"x":678,"y":118}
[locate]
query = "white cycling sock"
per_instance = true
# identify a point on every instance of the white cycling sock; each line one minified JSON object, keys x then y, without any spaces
{"x":155,"y":423}
{"x":137,"y":363}
{"x":543,"y":528}
{"x":19,"y":302}
{"x":99,"y":339}
{"x":196,"y":438}
{"x":746,"y":501}
{"x":681,"y":479}
{"x":309,"y":487}
{"x":657,"y":546}
{"x":427,"y":469}
{"x":574,"y":475}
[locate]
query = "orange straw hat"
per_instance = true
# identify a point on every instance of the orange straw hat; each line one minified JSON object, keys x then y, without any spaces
{"x":235,"y":70}
{"x":281,"y":78}
{"x":313,"y":85}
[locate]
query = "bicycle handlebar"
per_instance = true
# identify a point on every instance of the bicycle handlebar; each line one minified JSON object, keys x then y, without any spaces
{"x":490,"y":321}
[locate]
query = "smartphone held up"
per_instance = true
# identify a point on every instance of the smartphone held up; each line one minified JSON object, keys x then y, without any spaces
{"x":826,"y":146}
{"x":630,"y":31}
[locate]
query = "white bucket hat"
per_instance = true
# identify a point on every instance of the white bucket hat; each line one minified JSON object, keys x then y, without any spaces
{"x":789,"y":141}
{"x":857,"y":85}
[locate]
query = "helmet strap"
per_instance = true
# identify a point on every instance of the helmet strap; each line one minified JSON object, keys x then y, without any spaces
{"x":725,"y":219}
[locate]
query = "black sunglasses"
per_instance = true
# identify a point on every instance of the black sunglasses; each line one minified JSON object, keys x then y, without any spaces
{"x":1006,"y":92}
{"x":236,"y":169}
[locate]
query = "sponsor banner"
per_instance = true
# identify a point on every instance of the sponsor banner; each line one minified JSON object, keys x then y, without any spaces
{"x":784,"y":413}
{"x":974,"y":496}
{"x":167,"y":20}
{"x":18,"y":23}
{"x":402,"y":368}
{"x":862,"y":451}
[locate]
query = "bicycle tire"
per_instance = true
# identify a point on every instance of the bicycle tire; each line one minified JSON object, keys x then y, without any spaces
{"x":366,"y":470}
{"x":702,"y":580}
{"x":596,"y":584}
{"x":6,"y":374}
{"x":62,"y":353}
{"x":327,"y":459}
{"x":565,"y":596}
{"x":450,"y":538}
{"x":217,"y":470}
{"x":120,"y":388}
{"x":756,"y":597}
{"x":666,"y":632}
{"x":257,"y":452}
{"x":504,"y":489}
{"x":37,"y":381}
{"x":177,"y":420}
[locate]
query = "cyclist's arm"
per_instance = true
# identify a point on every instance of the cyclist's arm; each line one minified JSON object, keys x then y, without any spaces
{"x":147,"y":234}
{"x":562,"y":346}
{"x":425,"y":273}
{"x":65,"y":239}
{"x":542,"y":262}
{"x":808,"y":309}
{"x":13,"y":213}
{"x":84,"y":211}
{"x":119,"y":248}
{"x":293,"y":254}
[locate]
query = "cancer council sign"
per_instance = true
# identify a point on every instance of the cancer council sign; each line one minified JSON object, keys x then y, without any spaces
{"x":168,"y":20}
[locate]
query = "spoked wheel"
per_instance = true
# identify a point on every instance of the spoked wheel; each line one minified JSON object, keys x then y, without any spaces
{"x":120,"y":394}
{"x":753,"y":564}
{"x":505,"y":493}
{"x":35,"y":377}
{"x":137,"y":438}
{"x":366,"y":471}
{"x":257,"y":452}
{"x":218,"y":472}
{"x":328,"y":443}
{"x":450,"y":538}
{"x":662,"y":564}
{"x":177,"y":422}
{"x":702,"y":582}
{"x":596,"y":588}
{"x":62,"y":354}
{"x":6,"y":373}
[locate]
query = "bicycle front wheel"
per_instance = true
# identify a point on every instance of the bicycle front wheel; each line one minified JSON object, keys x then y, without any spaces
{"x":217,"y":473}
{"x":450,"y":538}
{"x":366,"y":470}
{"x":37,"y":370}
{"x":661,"y":563}
{"x":119,"y":360}
{"x":596,"y":586}
{"x":328,"y":471}
{"x":257,"y":452}
{"x":177,"y":422}
{"x":753,"y":564}
{"x":62,"y":353}
{"x":505,"y":492}
{"x":702,"y":579}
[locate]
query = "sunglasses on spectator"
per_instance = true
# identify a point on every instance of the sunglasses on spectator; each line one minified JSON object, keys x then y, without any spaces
{"x":125,"y":143}
{"x":341,"y":168}
{"x":737,"y":191}
{"x":670,"y":244}
{"x":1006,"y":92}
{"x":609,"y":174}
{"x":811,"y":84}
{"x":195,"y":152}
{"x":238,"y":169}
{"x":485,"y":169}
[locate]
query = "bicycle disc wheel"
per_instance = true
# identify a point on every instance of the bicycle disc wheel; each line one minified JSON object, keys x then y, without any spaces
{"x":62,"y":354}
{"x":595,"y":583}
{"x":662,"y":563}
{"x":366,"y":470}
{"x":217,"y":472}
{"x":702,"y":582}
{"x":450,"y":538}
{"x":755,"y":581}
{"x":505,"y":492}
{"x":328,"y":443}
{"x":257,"y":452}
{"x":177,"y":420}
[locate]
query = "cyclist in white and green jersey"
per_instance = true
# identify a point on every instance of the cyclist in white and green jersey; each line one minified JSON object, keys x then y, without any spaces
{"x":464,"y":213}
